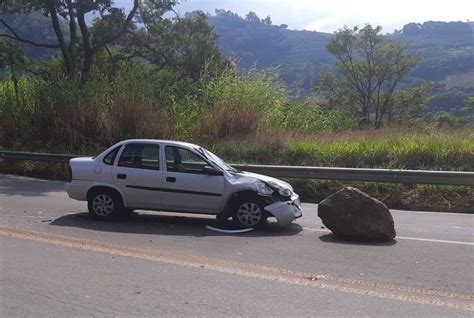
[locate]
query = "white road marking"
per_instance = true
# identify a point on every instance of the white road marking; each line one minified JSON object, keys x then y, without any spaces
{"x":316,"y":230}
{"x":405,"y":238}
{"x":434,"y":240}
{"x":431,"y":212}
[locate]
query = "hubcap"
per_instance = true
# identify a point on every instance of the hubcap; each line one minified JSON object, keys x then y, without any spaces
{"x":103,"y":204}
{"x":249,"y":214}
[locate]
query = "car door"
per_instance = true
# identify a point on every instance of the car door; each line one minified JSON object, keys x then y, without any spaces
{"x":138,"y":175}
{"x":186,"y":187}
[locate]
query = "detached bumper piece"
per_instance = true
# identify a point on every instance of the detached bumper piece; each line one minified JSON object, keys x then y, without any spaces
{"x":286,"y":211}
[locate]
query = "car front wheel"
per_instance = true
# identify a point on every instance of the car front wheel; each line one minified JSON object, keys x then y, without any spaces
{"x":250,"y":213}
{"x":105,"y":204}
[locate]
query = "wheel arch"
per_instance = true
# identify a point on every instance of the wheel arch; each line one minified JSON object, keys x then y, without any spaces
{"x":236,"y":197}
{"x":97,"y":187}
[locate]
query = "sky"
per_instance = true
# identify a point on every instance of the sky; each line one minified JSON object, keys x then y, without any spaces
{"x":330,"y":15}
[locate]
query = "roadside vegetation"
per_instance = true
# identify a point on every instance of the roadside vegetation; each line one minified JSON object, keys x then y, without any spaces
{"x":169,"y":81}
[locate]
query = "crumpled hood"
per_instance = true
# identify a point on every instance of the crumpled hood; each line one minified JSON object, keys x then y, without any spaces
{"x":266,"y":179}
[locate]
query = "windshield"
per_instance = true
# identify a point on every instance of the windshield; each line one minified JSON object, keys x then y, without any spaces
{"x":216,"y":160}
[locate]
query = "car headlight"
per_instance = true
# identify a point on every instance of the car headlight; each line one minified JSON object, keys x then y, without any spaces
{"x":264,"y":189}
{"x":284,"y":192}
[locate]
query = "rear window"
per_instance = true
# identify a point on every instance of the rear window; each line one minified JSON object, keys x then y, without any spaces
{"x":110,"y":157}
{"x":141,"y":156}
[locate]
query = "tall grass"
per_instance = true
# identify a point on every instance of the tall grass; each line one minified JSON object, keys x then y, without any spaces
{"x":239,"y":106}
{"x":62,"y":114}
{"x":246,"y":118}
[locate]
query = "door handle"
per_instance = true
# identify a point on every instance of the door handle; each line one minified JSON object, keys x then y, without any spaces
{"x":122,"y":176}
{"x":170,"y":179}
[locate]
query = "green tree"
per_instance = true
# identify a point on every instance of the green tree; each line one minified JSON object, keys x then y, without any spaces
{"x":13,"y":60}
{"x":183,"y":44}
{"x":370,"y":67}
{"x":410,"y":103}
{"x":469,"y":106}
{"x":267,"y":20}
{"x":78,"y":42}
{"x":252,"y":17}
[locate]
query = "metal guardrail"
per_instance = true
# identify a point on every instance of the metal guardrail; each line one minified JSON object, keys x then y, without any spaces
{"x":36,"y":156}
{"x":298,"y":172}
{"x":368,"y":175}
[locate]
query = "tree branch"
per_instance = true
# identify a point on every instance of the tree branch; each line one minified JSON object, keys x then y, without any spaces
{"x":16,"y":37}
{"x":118,"y":35}
{"x":72,"y":28}
{"x":152,"y":50}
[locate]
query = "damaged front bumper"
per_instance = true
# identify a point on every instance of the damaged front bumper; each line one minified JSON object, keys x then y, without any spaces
{"x":286,"y":211}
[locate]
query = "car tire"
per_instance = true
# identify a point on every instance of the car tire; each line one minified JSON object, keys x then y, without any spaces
{"x":105,"y":204}
{"x":250,"y":213}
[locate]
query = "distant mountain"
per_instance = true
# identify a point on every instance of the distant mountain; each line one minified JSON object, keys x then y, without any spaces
{"x":447,"y":50}
{"x":299,"y":57}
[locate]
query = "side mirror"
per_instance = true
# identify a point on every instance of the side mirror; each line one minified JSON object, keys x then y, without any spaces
{"x":212,"y":172}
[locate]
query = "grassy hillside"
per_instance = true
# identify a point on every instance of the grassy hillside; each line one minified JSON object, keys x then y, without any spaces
{"x":299,"y":57}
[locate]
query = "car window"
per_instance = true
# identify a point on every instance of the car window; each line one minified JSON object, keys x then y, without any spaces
{"x":110,"y":157}
{"x":183,"y":160}
{"x":140,"y":156}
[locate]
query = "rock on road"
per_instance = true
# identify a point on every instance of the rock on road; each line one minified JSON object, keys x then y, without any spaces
{"x":55,"y":261}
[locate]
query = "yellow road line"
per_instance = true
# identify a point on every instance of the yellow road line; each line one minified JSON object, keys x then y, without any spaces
{"x":373,"y":289}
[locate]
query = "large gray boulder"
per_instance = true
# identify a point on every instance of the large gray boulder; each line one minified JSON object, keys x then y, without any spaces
{"x":353,"y":215}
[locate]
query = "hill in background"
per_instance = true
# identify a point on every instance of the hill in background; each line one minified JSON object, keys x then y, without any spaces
{"x":299,"y":57}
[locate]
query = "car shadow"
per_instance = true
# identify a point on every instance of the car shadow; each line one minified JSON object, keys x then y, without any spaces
{"x":331,"y":238}
{"x":157,"y":224}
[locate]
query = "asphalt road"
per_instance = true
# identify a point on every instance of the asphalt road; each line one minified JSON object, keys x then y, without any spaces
{"x":56,"y":261}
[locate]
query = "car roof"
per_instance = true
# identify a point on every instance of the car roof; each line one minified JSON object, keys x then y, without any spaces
{"x":170,"y":142}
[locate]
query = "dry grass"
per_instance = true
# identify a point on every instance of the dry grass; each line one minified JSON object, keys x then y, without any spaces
{"x":387,"y":148}
{"x":224,"y":123}
{"x":395,"y":196}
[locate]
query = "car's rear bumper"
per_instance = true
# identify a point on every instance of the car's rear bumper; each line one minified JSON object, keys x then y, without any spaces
{"x":77,"y":189}
{"x":287,"y":211}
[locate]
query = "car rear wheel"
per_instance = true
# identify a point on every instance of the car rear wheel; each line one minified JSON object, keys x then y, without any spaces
{"x":250,"y":213}
{"x":105,"y":204}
